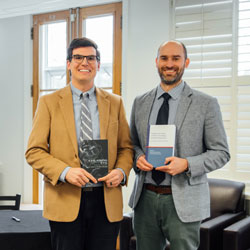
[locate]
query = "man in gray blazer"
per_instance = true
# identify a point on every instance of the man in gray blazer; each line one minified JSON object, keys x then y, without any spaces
{"x":171,"y":201}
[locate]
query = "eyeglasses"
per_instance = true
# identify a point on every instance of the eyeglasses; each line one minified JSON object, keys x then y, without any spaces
{"x":79,"y":58}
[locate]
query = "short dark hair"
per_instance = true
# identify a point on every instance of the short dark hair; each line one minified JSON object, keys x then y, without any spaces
{"x":182,"y":44}
{"x":82,"y":42}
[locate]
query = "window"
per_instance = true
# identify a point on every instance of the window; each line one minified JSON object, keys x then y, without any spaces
{"x":217,"y":36}
{"x":103,"y":25}
{"x":52,"y":63}
{"x":93,"y":28}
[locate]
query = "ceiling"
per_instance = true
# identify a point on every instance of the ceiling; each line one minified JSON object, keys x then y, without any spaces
{"x":12,"y":8}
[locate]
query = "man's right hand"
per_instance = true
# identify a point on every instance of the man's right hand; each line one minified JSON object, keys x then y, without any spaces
{"x":79,"y":177}
{"x":143,"y":164}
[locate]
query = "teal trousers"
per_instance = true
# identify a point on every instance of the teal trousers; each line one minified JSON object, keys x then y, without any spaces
{"x":156,"y":220}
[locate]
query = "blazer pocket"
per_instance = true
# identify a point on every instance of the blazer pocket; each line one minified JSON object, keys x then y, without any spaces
{"x":197,"y":180}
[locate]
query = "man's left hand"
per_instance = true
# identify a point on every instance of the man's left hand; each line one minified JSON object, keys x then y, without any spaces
{"x":113,"y":179}
{"x":174,"y":165}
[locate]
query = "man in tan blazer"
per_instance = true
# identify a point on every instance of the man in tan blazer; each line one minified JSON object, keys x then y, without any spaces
{"x":84,"y":212}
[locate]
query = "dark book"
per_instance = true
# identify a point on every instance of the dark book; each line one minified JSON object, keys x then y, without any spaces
{"x":94,"y":157}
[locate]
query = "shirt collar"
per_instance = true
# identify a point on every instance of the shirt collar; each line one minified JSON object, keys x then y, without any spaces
{"x":174,"y":92}
{"x":78,"y":92}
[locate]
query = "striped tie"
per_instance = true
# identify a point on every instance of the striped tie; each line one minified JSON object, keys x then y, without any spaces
{"x":86,"y":133}
{"x":86,"y":124}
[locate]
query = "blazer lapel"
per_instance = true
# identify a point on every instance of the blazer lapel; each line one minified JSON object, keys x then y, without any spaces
{"x":145,"y":114}
{"x":66,"y":105}
{"x":104,"y":111}
{"x":183,"y":106}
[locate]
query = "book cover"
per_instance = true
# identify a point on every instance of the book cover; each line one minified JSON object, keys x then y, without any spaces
{"x":160,"y":144}
{"x":94,"y":157}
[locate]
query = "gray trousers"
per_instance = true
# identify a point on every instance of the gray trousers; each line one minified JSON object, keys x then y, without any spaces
{"x":156,"y":220}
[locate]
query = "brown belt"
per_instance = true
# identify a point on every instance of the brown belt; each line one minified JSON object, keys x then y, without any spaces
{"x":159,"y":189}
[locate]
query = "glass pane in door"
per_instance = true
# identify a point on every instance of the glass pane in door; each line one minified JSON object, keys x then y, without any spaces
{"x":52,"y":64}
{"x":100,"y":29}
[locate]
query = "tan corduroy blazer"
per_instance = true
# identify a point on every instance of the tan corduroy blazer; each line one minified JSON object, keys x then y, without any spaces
{"x":53,"y":146}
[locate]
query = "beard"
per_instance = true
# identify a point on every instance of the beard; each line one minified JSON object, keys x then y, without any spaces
{"x":167,"y":80}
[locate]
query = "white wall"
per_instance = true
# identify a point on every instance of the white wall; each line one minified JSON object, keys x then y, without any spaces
{"x":15,"y":106}
{"x":145,"y":27}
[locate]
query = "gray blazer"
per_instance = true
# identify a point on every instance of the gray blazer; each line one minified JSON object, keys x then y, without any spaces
{"x":200,"y":138}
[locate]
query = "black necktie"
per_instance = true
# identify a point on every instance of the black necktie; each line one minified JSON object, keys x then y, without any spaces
{"x":162,"y":118}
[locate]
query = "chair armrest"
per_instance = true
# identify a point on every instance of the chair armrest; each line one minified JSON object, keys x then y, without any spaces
{"x":236,"y":236}
{"x":126,"y":231}
{"x":211,"y":231}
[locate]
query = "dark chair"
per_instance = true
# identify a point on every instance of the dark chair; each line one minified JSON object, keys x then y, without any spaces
{"x":16,"y":199}
{"x":227,"y":207}
{"x":236,"y":236}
